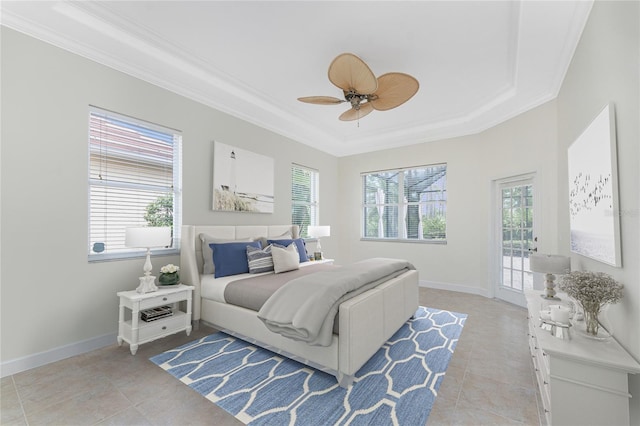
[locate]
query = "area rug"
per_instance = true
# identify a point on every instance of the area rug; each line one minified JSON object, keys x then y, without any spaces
{"x":397,"y":386}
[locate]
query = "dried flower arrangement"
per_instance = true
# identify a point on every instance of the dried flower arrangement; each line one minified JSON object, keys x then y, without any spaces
{"x":592,"y":290}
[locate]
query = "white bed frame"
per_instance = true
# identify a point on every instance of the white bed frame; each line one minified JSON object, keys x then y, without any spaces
{"x":366,"y":321}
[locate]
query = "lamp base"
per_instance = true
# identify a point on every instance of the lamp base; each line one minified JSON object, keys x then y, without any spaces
{"x":549,"y":290}
{"x":147,"y":284}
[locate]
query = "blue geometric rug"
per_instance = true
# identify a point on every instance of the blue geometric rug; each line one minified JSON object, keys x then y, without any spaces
{"x":397,"y":386}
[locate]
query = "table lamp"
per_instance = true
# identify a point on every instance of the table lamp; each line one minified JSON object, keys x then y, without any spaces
{"x":147,"y":237}
{"x":319,"y":232}
{"x":549,"y":264}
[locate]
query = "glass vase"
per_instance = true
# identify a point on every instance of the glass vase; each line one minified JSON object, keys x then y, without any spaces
{"x":596,"y":323}
{"x":591,"y":321}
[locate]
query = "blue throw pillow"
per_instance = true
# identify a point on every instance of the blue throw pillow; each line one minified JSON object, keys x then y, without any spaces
{"x":299,"y":242}
{"x":231,"y":258}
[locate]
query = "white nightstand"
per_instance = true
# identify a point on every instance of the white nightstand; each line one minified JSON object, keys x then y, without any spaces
{"x":135,"y":331}
{"x":327,"y":261}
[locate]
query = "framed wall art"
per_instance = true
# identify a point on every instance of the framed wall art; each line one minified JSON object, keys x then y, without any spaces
{"x":593,"y":191}
{"x":243,"y":181}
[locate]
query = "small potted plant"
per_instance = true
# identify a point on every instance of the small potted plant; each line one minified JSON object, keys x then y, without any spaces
{"x":169,"y":275}
{"x":592,"y":291}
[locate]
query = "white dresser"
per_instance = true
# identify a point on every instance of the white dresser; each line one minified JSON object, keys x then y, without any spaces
{"x":582,"y":381}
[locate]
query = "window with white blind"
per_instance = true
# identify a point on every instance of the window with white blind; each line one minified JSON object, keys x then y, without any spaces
{"x":304,"y":197}
{"x":405,"y":204}
{"x":134,"y":180}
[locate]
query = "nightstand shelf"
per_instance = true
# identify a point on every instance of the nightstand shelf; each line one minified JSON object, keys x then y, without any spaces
{"x":135,"y":331}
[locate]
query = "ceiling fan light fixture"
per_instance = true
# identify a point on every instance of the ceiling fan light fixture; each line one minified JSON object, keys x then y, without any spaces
{"x":363,"y":90}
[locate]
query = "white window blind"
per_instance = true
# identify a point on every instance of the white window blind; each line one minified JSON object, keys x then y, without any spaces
{"x":405,"y":204}
{"x":134,"y":180}
{"x":304,"y":197}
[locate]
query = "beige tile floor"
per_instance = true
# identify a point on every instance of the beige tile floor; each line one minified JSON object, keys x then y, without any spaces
{"x":489,"y":381}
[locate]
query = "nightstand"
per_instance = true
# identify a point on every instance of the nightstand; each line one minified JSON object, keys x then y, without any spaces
{"x":326,"y":261}
{"x":135,"y":331}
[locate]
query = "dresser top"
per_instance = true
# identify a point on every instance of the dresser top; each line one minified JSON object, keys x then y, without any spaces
{"x":608,"y":353}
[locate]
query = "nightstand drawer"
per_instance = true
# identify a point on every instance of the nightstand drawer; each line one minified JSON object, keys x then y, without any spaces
{"x":162,"y":327}
{"x":162,"y":300}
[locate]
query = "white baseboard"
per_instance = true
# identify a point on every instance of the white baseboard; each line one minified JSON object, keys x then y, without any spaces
{"x":28,"y":362}
{"x":454,"y":287}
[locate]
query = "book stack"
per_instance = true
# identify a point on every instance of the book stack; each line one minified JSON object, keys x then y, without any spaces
{"x":156,"y":313}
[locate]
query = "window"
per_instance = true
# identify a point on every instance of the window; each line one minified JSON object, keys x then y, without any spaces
{"x":405,"y":204}
{"x":134,"y":180}
{"x":304,"y":197}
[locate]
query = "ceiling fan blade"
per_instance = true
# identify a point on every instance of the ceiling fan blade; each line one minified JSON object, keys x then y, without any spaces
{"x":321,"y":100}
{"x":394,"y":89}
{"x":354,"y":114}
{"x":349,"y":72}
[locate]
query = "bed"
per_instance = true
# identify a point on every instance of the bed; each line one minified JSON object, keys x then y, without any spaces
{"x":365,"y":321}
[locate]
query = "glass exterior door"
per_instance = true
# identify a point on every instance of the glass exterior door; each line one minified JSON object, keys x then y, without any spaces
{"x":517,"y":239}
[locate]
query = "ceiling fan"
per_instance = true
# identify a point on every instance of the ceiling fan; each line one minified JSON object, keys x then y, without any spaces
{"x":363,"y":90}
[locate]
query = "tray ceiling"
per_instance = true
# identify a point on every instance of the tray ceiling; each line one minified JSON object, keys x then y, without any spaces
{"x":479,"y":63}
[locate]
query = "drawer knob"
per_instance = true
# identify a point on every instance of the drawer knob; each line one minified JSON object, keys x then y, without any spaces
{"x":164,"y":299}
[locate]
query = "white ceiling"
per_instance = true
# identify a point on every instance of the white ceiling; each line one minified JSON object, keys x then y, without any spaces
{"x":479,"y":63}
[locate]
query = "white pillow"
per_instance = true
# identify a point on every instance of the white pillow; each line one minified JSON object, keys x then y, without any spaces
{"x":207,"y":254}
{"x":285,"y":258}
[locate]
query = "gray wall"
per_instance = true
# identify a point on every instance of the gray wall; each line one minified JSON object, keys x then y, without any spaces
{"x":605,"y":68}
{"x":51,"y":296}
{"x":524,"y":144}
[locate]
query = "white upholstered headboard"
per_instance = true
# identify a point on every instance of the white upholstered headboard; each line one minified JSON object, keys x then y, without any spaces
{"x":191,"y":260}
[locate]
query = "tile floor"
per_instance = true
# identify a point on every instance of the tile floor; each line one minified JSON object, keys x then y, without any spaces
{"x":490,"y":379}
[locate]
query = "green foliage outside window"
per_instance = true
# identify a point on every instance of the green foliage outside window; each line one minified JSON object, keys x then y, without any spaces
{"x":160,"y":212}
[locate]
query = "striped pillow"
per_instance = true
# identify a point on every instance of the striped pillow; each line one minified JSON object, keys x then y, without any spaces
{"x":260,"y":260}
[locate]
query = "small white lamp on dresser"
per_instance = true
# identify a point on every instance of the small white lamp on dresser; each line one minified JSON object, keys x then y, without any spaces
{"x":148,"y":238}
{"x":549,"y":264}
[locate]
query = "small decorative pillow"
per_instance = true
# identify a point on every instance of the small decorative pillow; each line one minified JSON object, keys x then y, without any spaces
{"x":285,"y":258}
{"x":298,"y":242}
{"x":231,"y":258}
{"x":207,"y":255}
{"x":260,"y":260}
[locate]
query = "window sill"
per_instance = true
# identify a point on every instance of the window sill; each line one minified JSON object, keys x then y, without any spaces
{"x":400,"y":240}
{"x":96,"y":258}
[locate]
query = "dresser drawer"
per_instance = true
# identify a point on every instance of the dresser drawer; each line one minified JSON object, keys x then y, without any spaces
{"x":163,"y":300}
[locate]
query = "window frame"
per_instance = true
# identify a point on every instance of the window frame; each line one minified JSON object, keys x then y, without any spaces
{"x":313,"y":204}
{"x":176,"y":189}
{"x":400,"y":204}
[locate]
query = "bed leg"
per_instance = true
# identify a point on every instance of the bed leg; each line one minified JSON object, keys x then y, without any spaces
{"x":344,"y":380}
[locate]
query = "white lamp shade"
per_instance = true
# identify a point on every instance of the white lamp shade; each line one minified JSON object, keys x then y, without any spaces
{"x":549,"y":263}
{"x":147,"y":237}
{"x":319,"y":231}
